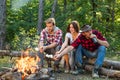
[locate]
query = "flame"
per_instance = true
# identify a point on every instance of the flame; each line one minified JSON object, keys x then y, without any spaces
{"x":27,"y":65}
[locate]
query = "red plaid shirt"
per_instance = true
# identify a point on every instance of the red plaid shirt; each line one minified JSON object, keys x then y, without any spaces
{"x":88,"y":43}
{"x":47,"y":38}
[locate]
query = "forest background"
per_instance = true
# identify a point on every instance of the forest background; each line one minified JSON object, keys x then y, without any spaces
{"x":22,"y":20}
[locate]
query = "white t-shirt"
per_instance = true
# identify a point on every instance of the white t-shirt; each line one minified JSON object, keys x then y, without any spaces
{"x":69,"y":35}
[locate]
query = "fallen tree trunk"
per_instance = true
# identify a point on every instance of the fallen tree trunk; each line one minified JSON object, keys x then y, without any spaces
{"x":106,"y":72}
{"x":10,"y":53}
{"x":107,"y":63}
{"x":15,"y":53}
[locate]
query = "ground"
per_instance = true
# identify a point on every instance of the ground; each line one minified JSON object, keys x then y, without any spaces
{"x":6,"y":62}
{"x":85,"y":76}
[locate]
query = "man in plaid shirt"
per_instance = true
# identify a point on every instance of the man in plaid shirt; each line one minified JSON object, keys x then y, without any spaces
{"x":50,"y":41}
{"x":91,"y":44}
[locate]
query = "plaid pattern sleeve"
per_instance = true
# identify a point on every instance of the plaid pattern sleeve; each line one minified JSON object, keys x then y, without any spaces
{"x":42,"y":36}
{"x":58,"y":37}
{"x":76,"y":43}
{"x":99,"y":35}
{"x":88,"y":43}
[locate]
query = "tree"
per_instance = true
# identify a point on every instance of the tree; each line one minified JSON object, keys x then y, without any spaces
{"x":94,"y":5}
{"x":2,"y":22}
{"x":53,"y":8}
{"x":40,"y":16}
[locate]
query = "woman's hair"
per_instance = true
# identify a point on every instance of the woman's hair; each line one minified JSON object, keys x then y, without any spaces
{"x":75,"y":26}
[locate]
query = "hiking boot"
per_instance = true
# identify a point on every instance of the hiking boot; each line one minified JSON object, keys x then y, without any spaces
{"x":95,"y":73}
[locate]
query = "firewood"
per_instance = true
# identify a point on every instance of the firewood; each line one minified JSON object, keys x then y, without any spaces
{"x":104,"y":71}
{"x":11,"y":76}
{"x":107,"y":63}
{"x":15,"y":53}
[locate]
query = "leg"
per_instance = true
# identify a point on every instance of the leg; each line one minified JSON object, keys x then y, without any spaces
{"x":99,"y":61}
{"x":72,"y":60}
{"x":100,"y":56}
{"x":66,"y":58}
{"x":41,"y":62}
{"x":78,"y":56}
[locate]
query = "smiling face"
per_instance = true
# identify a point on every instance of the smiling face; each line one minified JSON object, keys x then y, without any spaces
{"x":50,"y":27}
{"x":87,"y":34}
{"x":72,"y":29}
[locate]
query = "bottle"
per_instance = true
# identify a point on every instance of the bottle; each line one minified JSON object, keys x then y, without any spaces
{"x":94,"y":40}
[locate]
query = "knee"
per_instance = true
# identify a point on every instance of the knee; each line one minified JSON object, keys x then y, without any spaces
{"x":102,"y":48}
{"x":79,"y":48}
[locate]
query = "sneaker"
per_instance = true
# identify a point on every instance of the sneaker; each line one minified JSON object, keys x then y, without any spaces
{"x":66,"y":71}
{"x":74,"y":72}
{"x":95,"y":73}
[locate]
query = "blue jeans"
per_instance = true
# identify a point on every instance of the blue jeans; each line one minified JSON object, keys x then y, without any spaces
{"x":99,"y":54}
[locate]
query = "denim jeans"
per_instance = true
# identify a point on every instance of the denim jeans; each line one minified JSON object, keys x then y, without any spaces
{"x":99,"y":54}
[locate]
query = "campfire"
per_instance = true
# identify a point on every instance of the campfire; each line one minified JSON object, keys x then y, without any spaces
{"x":26,"y":68}
{"x":27,"y":65}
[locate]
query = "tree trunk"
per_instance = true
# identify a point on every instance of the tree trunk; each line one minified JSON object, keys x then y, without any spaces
{"x":40,"y":16}
{"x":113,"y":12}
{"x":94,"y":11}
{"x":53,"y":8}
{"x":2,"y":22}
{"x":106,"y":72}
{"x":65,"y":4}
{"x":107,"y":63}
{"x":16,"y":53}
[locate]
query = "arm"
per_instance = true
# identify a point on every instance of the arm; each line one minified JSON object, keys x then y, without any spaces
{"x":63,"y":45}
{"x":41,"y":41}
{"x":100,"y":39}
{"x":65,"y":51}
{"x":104,"y":43}
{"x":43,"y":48}
{"x":54,"y":44}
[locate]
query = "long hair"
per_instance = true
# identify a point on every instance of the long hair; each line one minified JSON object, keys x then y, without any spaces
{"x":75,"y":26}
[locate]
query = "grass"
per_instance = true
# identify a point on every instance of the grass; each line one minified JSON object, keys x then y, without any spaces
{"x":113,"y":56}
{"x":5,"y":62}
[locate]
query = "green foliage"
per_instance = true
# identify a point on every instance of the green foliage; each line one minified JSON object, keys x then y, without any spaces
{"x":104,"y":16}
{"x":24,"y":39}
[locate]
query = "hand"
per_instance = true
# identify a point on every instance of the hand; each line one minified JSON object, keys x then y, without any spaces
{"x":58,"y":52}
{"x":42,"y":49}
{"x":56,"y":56}
{"x":93,"y":36}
